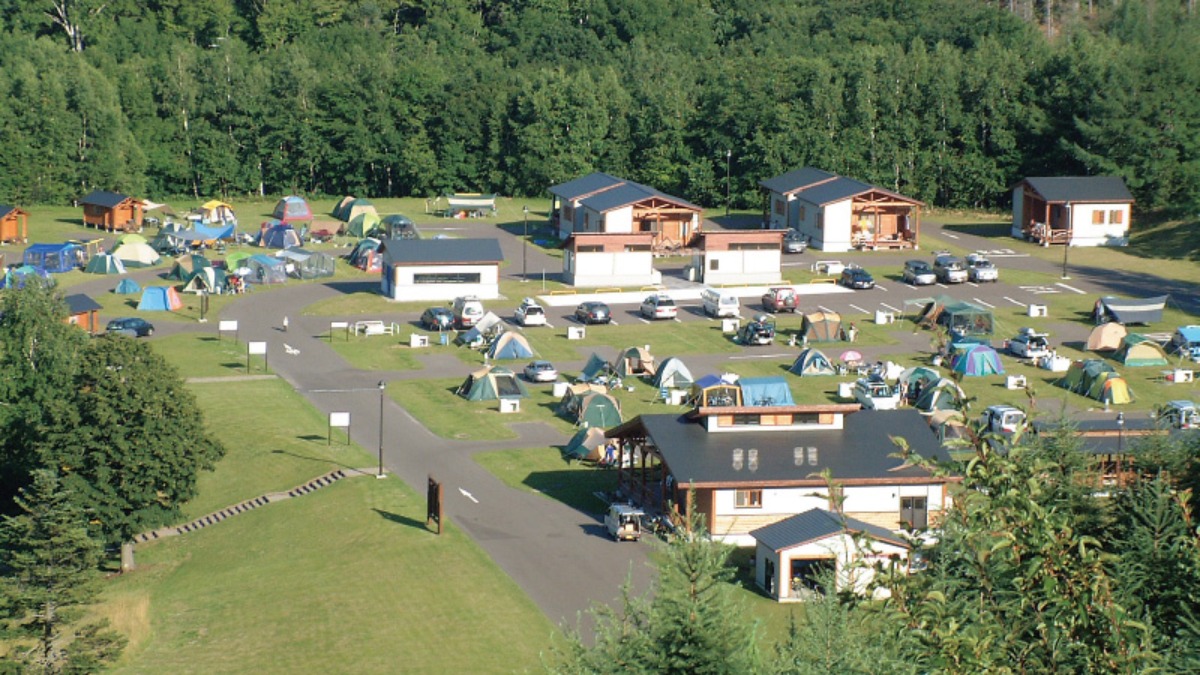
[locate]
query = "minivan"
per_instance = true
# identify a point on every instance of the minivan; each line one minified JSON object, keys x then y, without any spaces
{"x":468,"y":310}
{"x":718,"y":304}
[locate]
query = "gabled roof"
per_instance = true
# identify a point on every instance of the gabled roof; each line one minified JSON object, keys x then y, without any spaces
{"x":103,"y":198}
{"x":5,"y":209}
{"x":857,"y":453}
{"x":1062,"y":189}
{"x":80,"y":303}
{"x":587,"y":185}
{"x":821,"y":187}
{"x":816,"y":524}
{"x":440,"y":251}
{"x":796,"y":179}
{"x":630,"y":193}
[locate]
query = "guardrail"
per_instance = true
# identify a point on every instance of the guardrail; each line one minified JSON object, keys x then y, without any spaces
{"x":823,"y":280}
{"x":565,"y":292}
{"x":608,"y":290}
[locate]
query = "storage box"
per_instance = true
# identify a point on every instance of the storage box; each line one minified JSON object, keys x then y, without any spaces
{"x":576,"y":332}
{"x":418,"y":340}
{"x":1037,"y":310}
{"x":510,"y":405}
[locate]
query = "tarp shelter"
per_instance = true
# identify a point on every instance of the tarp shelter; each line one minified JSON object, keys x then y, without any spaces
{"x":634,"y":361}
{"x":587,"y":445}
{"x":292,"y":209}
{"x":488,"y":326}
{"x":366,"y":256}
{"x":957,"y":316}
{"x":945,"y":394}
{"x":206,"y":280}
{"x":362,"y":225}
{"x":356,"y":208}
{"x":1098,"y":380}
{"x":812,"y":362}
{"x":217,"y":211}
{"x":105,"y":264}
{"x":1185,"y":342}
{"x":716,"y":390}
{"x":1106,"y":337}
{"x":278,"y":235}
{"x":822,"y":327}
{"x":303,"y":264}
{"x":1127,"y":311}
{"x":397,"y":226}
{"x":673,"y":374}
{"x":470,"y":204}
{"x":491,"y":383}
{"x":137,"y":254}
{"x":340,"y":207}
{"x":590,"y":408}
{"x":186,"y":267}
{"x":127,"y":287}
{"x":160,"y":299}
{"x":595,"y":368}
{"x":265,"y":269}
{"x":54,"y":258}
{"x":17,"y":277}
{"x":765,"y":391}
{"x":510,"y":345}
{"x":169,"y":240}
{"x":976,"y":360}
{"x":1138,"y":350}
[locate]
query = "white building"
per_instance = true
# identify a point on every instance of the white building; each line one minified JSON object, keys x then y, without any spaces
{"x":592,"y":260}
{"x":601,"y":203}
{"x":739,"y":257}
{"x":1078,"y":211}
{"x":440,"y":269}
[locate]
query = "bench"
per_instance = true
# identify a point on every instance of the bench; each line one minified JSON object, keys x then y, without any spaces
{"x":374,"y":328}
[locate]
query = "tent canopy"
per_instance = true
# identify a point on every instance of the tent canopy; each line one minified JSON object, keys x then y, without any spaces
{"x":944,"y":394}
{"x":673,"y":374}
{"x":1138,"y":350}
{"x":127,"y":287}
{"x":812,"y":361}
{"x":822,"y":327}
{"x":510,"y":345}
{"x":586,"y":445}
{"x":1133,"y":310}
{"x":292,"y":209}
{"x":491,"y":383}
{"x":217,"y":211}
{"x":356,"y":208}
{"x":1106,"y":337}
{"x":54,"y":258}
{"x":366,"y":256}
{"x":105,"y":264}
{"x":278,"y":235}
{"x":159,"y":299}
{"x":1098,"y":380}
{"x":765,"y":391}
{"x":976,"y":360}
{"x":471,"y":203}
{"x":362,"y":224}
{"x":595,"y":367}
{"x":397,"y":226}
{"x":265,"y":269}
{"x":957,"y":316}
{"x":634,"y":361}
{"x":137,"y":254}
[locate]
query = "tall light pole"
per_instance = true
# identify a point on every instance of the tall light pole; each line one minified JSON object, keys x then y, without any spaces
{"x":1066,"y":244}
{"x":382,"y":389}
{"x":1120,"y":443}
{"x":525,"y":248}
{"x":728,"y":159}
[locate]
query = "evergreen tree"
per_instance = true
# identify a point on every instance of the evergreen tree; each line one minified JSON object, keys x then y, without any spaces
{"x":49,"y":571}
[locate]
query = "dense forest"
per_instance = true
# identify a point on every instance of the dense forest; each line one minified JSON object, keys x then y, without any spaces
{"x":950,"y":101}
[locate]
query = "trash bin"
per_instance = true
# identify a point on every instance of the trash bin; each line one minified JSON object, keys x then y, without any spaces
{"x":443,"y":339}
{"x":845,"y":390}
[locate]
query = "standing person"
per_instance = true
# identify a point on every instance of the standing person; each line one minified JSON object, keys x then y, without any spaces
{"x":285,"y":324}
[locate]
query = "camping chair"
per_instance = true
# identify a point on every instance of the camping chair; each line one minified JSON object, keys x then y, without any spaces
{"x":664,"y":395}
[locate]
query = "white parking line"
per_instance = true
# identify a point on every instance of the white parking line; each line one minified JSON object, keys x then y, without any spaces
{"x":985,"y":304}
{"x":941,"y":285}
{"x":947,"y":234}
{"x":612,"y":322}
{"x":894,"y":309}
{"x":644,"y":320}
{"x":882,"y":288}
{"x":549,"y":325}
{"x":825,"y":309}
{"x":1071,"y":288}
{"x":972,"y":283}
{"x":859,"y":309}
{"x":1015,"y":302}
{"x":759,"y":356}
{"x":676,"y":320}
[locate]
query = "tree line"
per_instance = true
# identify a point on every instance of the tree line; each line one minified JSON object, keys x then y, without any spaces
{"x":1033,"y":571}
{"x":949,"y":101}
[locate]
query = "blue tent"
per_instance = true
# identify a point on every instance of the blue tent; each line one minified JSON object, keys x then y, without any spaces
{"x":278,"y":235}
{"x":510,"y":346}
{"x":974,"y":360}
{"x":159,"y":299}
{"x":127,"y":287}
{"x":17,"y":277}
{"x":765,"y":391}
{"x":54,"y":258}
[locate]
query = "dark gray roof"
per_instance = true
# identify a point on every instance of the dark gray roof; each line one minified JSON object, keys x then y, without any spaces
{"x":80,"y":303}
{"x":629,"y":193}
{"x":858,"y":452}
{"x":1105,"y":437}
{"x":440,"y":251}
{"x":5,"y":209}
{"x":796,"y":179}
{"x":817,"y":524}
{"x":589,"y":184}
{"x":103,"y":198}
{"x":833,"y":191}
{"x":1081,"y":189}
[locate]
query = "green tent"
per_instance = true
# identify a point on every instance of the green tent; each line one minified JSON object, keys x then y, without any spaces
{"x":355,"y":208}
{"x":360,"y":225}
{"x":957,"y":316}
{"x":1096,"y":379}
{"x":586,"y":445}
{"x":234,"y":260}
{"x":105,"y":264}
{"x":492,"y":383}
{"x":1138,"y":350}
{"x":596,"y":409}
{"x":187,"y":266}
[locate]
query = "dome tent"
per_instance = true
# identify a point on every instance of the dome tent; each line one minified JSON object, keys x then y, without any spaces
{"x":945,"y":394}
{"x":276,"y":234}
{"x":187,"y":266}
{"x":134,"y":253}
{"x":673,"y":374}
{"x":397,"y":226}
{"x":976,"y":360}
{"x":127,"y":287}
{"x":159,"y":299}
{"x":822,"y":327}
{"x":634,"y":361}
{"x":587,"y":445}
{"x":356,"y":208}
{"x":492,"y":383}
{"x":510,"y":345}
{"x":591,"y":409}
{"x":1106,"y":337}
{"x":292,"y":209}
{"x":1138,"y":350}
{"x":105,"y":264}
{"x":340,"y":207}
{"x":1096,"y":379}
{"x":361,"y":225}
{"x":812,"y":362}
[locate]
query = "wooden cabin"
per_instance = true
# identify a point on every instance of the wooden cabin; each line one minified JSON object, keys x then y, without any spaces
{"x":1073,"y":210}
{"x":14,"y":224}
{"x":601,"y":203}
{"x":112,"y":212}
{"x":84,"y":312}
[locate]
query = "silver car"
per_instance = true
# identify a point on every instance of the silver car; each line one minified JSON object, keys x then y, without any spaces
{"x":950,"y":269}
{"x":919,"y":273}
{"x":979,"y":268}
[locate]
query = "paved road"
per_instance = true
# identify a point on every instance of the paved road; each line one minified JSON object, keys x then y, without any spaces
{"x":557,"y":555}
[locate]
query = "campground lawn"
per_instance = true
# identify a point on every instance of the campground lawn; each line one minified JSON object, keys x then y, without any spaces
{"x":201,"y":355}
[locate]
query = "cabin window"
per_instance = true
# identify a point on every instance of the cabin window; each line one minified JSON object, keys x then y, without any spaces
{"x":748,"y":499}
{"x":747,"y":420}
{"x":637,"y":248}
{"x":1116,"y":216}
{"x":714,"y":264}
{"x":779,"y":207}
{"x":803,"y":213}
{"x":753,"y":246}
{"x":447,"y":278}
{"x":914,"y":513}
{"x":590,"y":248}
{"x":821,"y":220}
{"x":1097,"y":217}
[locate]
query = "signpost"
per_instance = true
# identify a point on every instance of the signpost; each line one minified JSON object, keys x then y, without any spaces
{"x":334,"y":325}
{"x":257,"y":348}
{"x":340,"y":420}
{"x":433,"y":504}
{"x":227,"y":327}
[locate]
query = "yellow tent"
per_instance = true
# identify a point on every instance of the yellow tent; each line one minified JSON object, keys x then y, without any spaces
{"x":216,"y":211}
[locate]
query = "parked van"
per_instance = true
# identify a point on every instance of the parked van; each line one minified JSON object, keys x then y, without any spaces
{"x":718,"y":304}
{"x":468,"y":310}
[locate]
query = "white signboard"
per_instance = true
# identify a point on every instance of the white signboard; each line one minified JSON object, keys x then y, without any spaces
{"x":340,"y":420}
{"x":227,"y":325}
{"x":334,"y":325}
{"x":257,"y":348}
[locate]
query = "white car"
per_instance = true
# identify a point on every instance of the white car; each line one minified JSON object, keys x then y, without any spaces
{"x":541,"y":371}
{"x":1029,"y":344}
{"x":979,"y":268}
{"x":949,"y":269}
{"x":659,"y":307}
{"x":530,"y":313}
{"x":876,"y":394}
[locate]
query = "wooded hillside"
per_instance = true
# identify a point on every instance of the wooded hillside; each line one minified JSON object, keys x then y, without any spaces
{"x":950,"y":101}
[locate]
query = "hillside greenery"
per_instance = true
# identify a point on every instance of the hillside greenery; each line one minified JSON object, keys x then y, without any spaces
{"x":951,"y":101}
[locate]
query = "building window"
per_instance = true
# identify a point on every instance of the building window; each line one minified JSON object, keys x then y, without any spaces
{"x":803,"y":213}
{"x":748,"y":499}
{"x":714,"y":264}
{"x":747,"y":420}
{"x":590,"y":248}
{"x":914,"y":513}
{"x":821,"y":220}
{"x":1097,"y":217}
{"x":779,"y":207}
{"x":637,"y":248}
{"x":753,"y":246}
{"x":447,"y":278}
{"x":1116,"y":216}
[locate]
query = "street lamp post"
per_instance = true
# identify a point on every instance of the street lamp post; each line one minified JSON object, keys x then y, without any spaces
{"x":525,"y":248}
{"x":1120,"y":443}
{"x":382,"y":388}
{"x":728,"y":159}
{"x":1066,"y":242}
